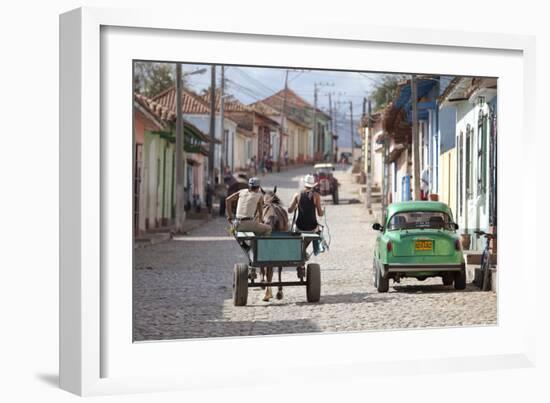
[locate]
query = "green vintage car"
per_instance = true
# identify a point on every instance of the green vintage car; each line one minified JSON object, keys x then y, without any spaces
{"x":418,"y":240}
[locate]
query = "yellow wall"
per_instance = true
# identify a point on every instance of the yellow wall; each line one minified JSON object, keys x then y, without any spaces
{"x":447,"y":179}
{"x":240,"y":147}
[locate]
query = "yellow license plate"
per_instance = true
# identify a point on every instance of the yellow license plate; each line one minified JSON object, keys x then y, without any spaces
{"x":423,"y":245}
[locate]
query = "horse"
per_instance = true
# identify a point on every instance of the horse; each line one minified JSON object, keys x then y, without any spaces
{"x":275,"y":215}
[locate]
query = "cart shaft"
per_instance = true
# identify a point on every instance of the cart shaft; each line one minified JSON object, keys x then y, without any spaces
{"x":278,"y":283}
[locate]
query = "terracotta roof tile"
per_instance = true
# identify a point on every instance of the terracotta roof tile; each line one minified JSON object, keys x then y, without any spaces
{"x":233,"y":105}
{"x":191,"y":103}
{"x":165,"y":115}
{"x":159,"y":111}
{"x":292,"y":100}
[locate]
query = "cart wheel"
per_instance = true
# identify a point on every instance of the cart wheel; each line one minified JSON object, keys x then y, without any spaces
{"x":240,"y":284}
{"x":313,"y":282}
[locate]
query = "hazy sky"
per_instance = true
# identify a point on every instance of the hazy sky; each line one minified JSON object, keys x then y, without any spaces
{"x":251,"y":84}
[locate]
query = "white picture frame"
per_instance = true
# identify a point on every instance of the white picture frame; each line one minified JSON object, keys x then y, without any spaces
{"x":97,"y":357}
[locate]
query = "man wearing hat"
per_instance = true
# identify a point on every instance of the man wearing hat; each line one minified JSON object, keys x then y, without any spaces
{"x":249,"y":205}
{"x":308,"y":203}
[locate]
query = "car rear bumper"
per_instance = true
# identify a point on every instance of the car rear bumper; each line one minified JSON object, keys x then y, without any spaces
{"x":411,"y":268}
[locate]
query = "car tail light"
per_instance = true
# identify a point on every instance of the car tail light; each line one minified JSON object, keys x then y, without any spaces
{"x":389,"y":246}
{"x":458,"y":245}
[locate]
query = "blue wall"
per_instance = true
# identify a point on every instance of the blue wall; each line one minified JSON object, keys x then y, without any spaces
{"x":447,"y":128}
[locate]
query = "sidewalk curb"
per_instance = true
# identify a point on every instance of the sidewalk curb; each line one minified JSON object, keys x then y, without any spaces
{"x":160,"y":237}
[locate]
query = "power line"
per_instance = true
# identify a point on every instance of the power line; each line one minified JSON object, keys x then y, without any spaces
{"x":254,"y":81}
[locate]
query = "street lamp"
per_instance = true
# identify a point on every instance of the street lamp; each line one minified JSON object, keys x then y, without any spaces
{"x":198,"y":71}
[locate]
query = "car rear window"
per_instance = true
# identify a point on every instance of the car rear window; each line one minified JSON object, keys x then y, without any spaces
{"x":419,"y":219}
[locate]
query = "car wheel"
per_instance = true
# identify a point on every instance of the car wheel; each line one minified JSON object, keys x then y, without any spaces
{"x":374,"y":274}
{"x":460,"y":280}
{"x":447,"y":279}
{"x":382,"y":284}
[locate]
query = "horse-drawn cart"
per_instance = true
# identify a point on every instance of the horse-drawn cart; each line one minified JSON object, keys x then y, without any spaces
{"x":280,"y":249}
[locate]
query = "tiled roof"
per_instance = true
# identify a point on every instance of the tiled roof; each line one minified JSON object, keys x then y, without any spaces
{"x":191,"y":103}
{"x":292,"y":100}
{"x":265,"y":109}
{"x":244,"y":120}
{"x":247,"y":133}
{"x":272,"y":112}
{"x":461,"y":88}
{"x":159,"y":111}
{"x":233,"y":105}
{"x":164,"y":115}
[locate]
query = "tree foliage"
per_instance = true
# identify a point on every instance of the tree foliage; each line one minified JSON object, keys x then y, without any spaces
{"x":151,"y":78}
{"x":386,"y":89}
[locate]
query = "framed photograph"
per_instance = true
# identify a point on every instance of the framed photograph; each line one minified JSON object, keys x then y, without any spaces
{"x":326,"y":195}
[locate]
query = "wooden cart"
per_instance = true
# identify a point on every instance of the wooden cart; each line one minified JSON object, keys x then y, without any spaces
{"x":280,"y":249}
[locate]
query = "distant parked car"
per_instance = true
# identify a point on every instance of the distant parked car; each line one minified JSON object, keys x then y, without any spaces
{"x":418,"y":240}
{"x":327,"y":184}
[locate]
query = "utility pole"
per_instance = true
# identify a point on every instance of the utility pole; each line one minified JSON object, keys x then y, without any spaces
{"x":351,"y":128}
{"x":180,"y":172}
{"x":331,"y":127}
{"x":314,"y":119}
{"x":212,"y":130}
{"x":363,"y":147}
{"x":368,"y":155}
{"x":223,"y":156}
{"x":385,"y":180}
{"x":283,"y":124}
{"x":415,"y":139}
{"x":336,"y":111}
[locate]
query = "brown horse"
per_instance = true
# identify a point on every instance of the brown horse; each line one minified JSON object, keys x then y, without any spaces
{"x":275,"y":215}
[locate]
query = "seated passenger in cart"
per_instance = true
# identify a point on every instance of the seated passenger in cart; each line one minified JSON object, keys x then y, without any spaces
{"x":308,"y":203}
{"x":249,"y":207}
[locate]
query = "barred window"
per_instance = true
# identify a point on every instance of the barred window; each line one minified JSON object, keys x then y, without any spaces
{"x":482,"y":153}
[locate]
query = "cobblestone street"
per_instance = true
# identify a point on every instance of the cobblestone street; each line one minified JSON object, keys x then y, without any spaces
{"x":182,"y":287}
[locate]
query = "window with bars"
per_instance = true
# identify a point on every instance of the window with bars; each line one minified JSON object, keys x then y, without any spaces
{"x":482,"y":153}
{"x":460,"y":169}
{"x":469,"y":163}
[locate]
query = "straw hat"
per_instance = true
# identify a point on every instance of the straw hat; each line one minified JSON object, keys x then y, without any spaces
{"x":309,"y":181}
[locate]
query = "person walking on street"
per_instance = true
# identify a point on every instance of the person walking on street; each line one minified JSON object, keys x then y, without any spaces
{"x":269,"y":164}
{"x":249,"y":209}
{"x":253,"y":166}
{"x":221,"y":193}
{"x":209,"y":196}
{"x":308,"y":204}
{"x":425,"y":183}
{"x":262,"y":164}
